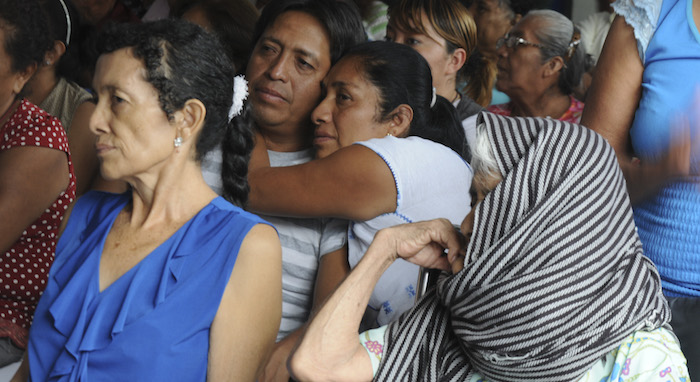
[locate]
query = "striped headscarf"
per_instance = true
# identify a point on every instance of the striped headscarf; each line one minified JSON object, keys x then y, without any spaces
{"x":554,"y":276}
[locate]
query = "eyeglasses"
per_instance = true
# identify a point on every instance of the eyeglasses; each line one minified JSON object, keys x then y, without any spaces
{"x":514,"y":41}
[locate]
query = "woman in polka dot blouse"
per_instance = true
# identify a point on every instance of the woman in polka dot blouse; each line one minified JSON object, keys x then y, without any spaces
{"x":36,"y":177}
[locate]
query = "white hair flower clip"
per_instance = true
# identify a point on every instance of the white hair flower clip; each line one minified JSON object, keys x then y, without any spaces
{"x":240,"y":93}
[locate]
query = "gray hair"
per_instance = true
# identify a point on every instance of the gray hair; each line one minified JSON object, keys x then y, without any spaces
{"x":486,"y":172}
{"x":560,"y":38}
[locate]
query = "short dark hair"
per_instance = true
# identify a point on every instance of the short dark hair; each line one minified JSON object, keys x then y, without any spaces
{"x":341,"y":20}
{"x":26,"y":32}
{"x":184,"y":62}
{"x":402,"y":76}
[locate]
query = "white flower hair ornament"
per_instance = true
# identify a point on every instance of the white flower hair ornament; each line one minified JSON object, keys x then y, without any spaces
{"x":240,"y":93}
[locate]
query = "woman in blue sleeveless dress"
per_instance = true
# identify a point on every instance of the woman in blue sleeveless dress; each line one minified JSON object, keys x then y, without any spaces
{"x":167,"y":281}
{"x":643,"y":101}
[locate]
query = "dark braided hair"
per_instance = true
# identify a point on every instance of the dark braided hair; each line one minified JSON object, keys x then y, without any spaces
{"x":185,"y":62}
{"x":237,"y":152}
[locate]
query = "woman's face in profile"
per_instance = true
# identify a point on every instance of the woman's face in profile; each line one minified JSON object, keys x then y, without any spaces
{"x":430,"y":45}
{"x":520,"y":67}
{"x":134,"y":135}
{"x":348,"y":110}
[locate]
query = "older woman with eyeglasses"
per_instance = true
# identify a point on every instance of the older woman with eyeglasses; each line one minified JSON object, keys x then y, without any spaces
{"x":540,"y":62}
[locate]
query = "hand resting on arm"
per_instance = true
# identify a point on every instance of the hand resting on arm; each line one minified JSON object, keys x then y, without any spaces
{"x":330,"y":349}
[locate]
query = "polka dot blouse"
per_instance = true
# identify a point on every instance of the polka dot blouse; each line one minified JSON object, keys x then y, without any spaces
{"x":24,"y":268}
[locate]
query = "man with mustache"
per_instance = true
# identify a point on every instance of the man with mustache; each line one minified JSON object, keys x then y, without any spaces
{"x":297,"y":42}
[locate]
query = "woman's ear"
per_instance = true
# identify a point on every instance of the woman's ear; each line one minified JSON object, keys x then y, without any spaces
{"x":55,"y":53}
{"x":553,"y":67}
{"x":457,"y":60}
{"x":401,"y":119}
{"x":22,"y":77}
{"x":190,"y":119}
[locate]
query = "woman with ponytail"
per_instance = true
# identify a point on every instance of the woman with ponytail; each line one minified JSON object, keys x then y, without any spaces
{"x":163,"y":282}
{"x":389,"y":151}
{"x":444,"y":33}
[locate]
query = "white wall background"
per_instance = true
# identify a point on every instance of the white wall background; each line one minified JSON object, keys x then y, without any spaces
{"x":580,"y":9}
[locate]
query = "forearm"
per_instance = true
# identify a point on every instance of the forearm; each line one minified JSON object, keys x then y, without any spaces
{"x":330,"y":349}
{"x":276,"y":366}
{"x":353,"y":183}
{"x":644,"y":179}
{"x":332,"y":270}
{"x":270,"y":191}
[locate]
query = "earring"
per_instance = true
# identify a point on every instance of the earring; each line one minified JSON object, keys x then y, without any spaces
{"x":48,"y":62}
{"x":177,"y":142}
{"x":389,"y":134}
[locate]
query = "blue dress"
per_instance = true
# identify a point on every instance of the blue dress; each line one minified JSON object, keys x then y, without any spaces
{"x":669,"y":223}
{"x":151,"y":324}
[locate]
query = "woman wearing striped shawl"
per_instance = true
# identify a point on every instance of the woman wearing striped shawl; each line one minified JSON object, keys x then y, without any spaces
{"x":551,"y":285}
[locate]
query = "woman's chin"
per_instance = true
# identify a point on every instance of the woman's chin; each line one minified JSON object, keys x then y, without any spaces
{"x":110,"y":175}
{"x":501,"y":86}
{"x":324,"y":150}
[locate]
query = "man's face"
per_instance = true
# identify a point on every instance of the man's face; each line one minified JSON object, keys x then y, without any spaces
{"x":285,"y":71}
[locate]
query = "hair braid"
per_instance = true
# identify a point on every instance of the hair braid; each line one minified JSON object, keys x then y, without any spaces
{"x":238,"y":140}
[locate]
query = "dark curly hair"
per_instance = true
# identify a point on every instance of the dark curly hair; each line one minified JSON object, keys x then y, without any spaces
{"x":26,"y":32}
{"x":185,"y":62}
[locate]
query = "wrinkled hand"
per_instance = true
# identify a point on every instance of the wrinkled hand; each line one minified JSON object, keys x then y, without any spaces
{"x":423,"y":243}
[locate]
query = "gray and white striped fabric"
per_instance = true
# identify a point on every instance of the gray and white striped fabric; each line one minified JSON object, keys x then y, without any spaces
{"x":554,"y":278}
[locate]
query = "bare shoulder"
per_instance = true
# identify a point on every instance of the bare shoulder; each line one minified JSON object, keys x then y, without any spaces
{"x":262,"y":239}
{"x":260,"y":254}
